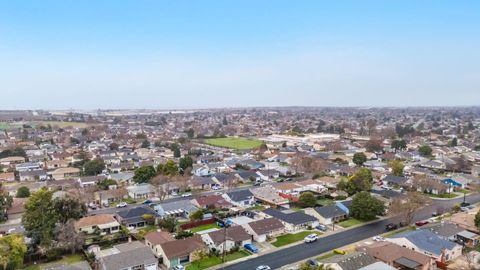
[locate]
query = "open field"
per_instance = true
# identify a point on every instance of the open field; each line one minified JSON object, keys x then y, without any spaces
{"x":234,"y":143}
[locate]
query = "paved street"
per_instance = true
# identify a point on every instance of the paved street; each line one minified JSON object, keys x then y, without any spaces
{"x":304,"y":251}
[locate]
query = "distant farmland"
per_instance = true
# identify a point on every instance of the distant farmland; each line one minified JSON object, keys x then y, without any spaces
{"x":234,"y":143}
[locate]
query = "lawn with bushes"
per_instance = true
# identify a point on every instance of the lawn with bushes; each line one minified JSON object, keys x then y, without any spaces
{"x":204,"y":227}
{"x":216,"y":260}
{"x":290,"y":238}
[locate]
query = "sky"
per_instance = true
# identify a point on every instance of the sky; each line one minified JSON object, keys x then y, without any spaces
{"x":117,"y":54}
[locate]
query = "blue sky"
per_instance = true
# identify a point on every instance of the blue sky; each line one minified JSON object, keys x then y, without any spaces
{"x":201,"y":54}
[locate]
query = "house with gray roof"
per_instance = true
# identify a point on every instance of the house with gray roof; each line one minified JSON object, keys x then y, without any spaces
{"x":181,"y":208}
{"x":293,"y":221}
{"x":242,"y":198}
{"x":428,"y":243}
{"x":350,"y":261}
{"x":328,"y":214}
{"x":128,"y":256}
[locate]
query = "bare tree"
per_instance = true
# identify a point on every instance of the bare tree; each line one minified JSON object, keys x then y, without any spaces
{"x":69,"y":238}
{"x":161,"y":184}
{"x":408,"y":205}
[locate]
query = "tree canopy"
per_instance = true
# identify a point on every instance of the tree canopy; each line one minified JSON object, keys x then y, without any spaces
{"x":397,"y":167}
{"x":94,"y":167}
{"x":168,"y":168}
{"x":12,"y":251}
{"x":185,"y":162}
{"x":5,"y":203}
{"x":23,"y":192}
{"x":144,"y":174}
{"x":307,"y":199}
{"x":40,"y":217}
{"x":425,"y":151}
{"x":399,"y":144}
{"x":362,"y":180}
{"x":359,"y":159}
{"x":366,"y":207}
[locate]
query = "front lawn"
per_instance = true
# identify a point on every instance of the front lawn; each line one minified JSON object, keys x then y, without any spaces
{"x":444,"y":196}
{"x":235,"y":143}
{"x":204,"y":227}
{"x":290,"y":238}
{"x":325,"y":201}
{"x":350,"y":222}
{"x":215,"y":260}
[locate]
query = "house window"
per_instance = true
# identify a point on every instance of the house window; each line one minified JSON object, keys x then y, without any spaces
{"x":184,"y":259}
{"x":138,"y":267}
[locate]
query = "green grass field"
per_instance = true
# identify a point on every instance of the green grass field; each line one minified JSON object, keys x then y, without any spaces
{"x":289,"y":238}
{"x":215,"y":260}
{"x":234,"y":143}
{"x":205,"y":227}
{"x":350,"y":222}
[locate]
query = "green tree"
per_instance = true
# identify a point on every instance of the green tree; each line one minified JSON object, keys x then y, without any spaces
{"x":190,"y":133}
{"x":40,"y":218}
{"x":5,"y":203}
{"x":145,"y":144}
{"x":454,"y":142}
{"x":197,"y":215}
{"x":94,"y":167}
{"x":397,"y":167}
{"x":16,"y":152}
{"x":185,"y":162}
{"x":307,"y":199}
{"x":425,"y":151}
{"x":366,"y":207}
{"x":359,"y":159}
{"x":23,"y":192}
{"x":68,"y":208}
{"x":12,"y":251}
{"x":362,"y":180}
{"x":144,"y":174}
{"x":374,"y":145}
{"x":399,"y":144}
{"x":141,"y":136}
{"x":177,"y":153}
{"x":225,"y":122}
{"x":168,"y":223}
{"x":169,"y":168}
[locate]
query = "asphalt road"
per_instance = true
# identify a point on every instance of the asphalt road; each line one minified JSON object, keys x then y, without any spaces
{"x":304,"y":251}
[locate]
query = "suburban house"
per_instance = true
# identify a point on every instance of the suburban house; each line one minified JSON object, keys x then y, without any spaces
{"x":397,"y":256}
{"x":104,"y":223}
{"x":64,"y":173}
{"x":7,"y":177}
{"x":242,"y":198}
{"x":28,"y":166}
{"x":17,"y":209}
{"x":173,"y":253}
{"x":264,"y":228}
{"x":269,"y":196}
{"x":350,"y":261}
{"x":268,"y":175}
{"x":141,"y":191}
{"x":202,"y":182}
{"x":234,"y":236}
{"x":36,"y":175}
{"x":293,"y":221}
{"x":181,"y":208}
{"x":7,"y":161}
{"x":395,"y":181}
{"x":133,"y":217}
{"x":89,"y":181}
{"x":428,"y":243}
{"x":110,"y":196}
{"x":328,"y":214}
{"x":216,"y":201}
{"x":126,"y":256}
{"x":154,"y":239}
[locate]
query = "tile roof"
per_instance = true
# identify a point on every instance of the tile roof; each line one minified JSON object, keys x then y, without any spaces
{"x":235,"y":233}
{"x":158,"y":238}
{"x":94,"y":220}
{"x":267,"y":225}
{"x":182,"y":247}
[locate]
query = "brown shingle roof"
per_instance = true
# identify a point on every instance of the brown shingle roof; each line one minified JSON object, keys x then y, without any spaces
{"x":182,"y":247}
{"x":389,"y":252}
{"x":158,"y":238}
{"x":235,"y":233}
{"x":267,"y":225}
{"x":94,"y":220}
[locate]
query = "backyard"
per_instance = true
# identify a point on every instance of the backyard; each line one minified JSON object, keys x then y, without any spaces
{"x":289,"y":238}
{"x":215,"y":260}
{"x":71,"y":259}
{"x":204,"y":227}
{"x":234,"y":143}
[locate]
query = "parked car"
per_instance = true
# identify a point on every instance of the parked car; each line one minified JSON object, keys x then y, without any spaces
{"x":310,"y":238}
{"x":179,"y":267}
{"x":252,"y":248}
{"x":147,"y":201}
{"x":312,"y":262}
{"x":106,"y":204}
{"x":391,"y":227}
{"x":464,"y":204}
{"x":322,"y":228}
{"x":184,"y":195}
{"x":215,"y":187}
{"x":173,"y":193}
{"x":122,"y":204}
{"x":378,"y":238}
{"x":92,"y":206}
{"x":421,"y":223}
{"x":263,"y":267}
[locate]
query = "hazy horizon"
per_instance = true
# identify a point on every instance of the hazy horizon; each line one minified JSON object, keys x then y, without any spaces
{"x":199,"y":55}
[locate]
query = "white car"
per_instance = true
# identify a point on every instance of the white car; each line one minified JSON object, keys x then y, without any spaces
{"x":186,"y":195}
{"x":122,"y":204}
{"x":216,"y":188}
{"x":378,"y":238}
{"x":310,"y":238}
{"x":173,"y":193}
{"x":264,"y":267}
